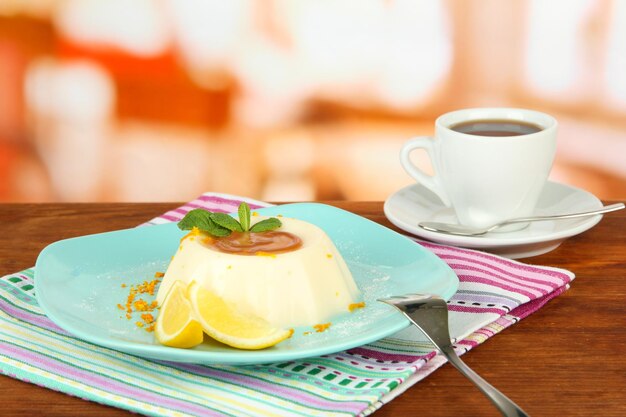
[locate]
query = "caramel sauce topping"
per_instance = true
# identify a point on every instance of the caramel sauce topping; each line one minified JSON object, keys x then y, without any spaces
{"x":263,"y":243}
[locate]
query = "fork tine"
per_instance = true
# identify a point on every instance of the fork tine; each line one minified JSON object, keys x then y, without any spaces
{"x":392,"y":298}
{"x":429,"y":313}
{"x":408,"y":298}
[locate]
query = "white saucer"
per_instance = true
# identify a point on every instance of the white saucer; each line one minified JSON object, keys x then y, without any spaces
{"x":413,"y":204}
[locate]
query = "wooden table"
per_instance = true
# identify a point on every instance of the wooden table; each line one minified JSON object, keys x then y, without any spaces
{"x":567,"y":359}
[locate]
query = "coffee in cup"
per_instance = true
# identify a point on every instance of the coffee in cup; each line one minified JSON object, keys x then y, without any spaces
{"x":490,"y":163}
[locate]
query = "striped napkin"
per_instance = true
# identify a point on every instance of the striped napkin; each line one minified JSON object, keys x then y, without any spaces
{"x":494,"y":293}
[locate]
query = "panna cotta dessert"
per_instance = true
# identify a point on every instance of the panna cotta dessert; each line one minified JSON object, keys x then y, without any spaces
{"x":290,"y":276}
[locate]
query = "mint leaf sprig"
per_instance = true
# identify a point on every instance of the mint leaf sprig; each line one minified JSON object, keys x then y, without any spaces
{"x":265,"y":225}
{"x":244,"y":216}
{"x":221,"y":225}
{"x":202,"y":220}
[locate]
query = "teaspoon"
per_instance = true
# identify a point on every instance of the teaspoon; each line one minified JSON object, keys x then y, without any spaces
{"x":460,"y":230}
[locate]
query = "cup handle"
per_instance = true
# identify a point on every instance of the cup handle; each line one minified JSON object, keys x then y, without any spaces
{"x":432,"y":183}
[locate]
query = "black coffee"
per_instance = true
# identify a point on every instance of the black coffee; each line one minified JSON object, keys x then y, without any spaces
{"x":496,"y":128}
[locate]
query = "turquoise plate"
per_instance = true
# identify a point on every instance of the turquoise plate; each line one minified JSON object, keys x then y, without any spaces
{"x":78,"y":283}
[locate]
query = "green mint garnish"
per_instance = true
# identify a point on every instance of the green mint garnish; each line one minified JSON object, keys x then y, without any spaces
{"x":226,"y":221}
{"x":196,"y":218}
{"x":244,"y":216}
{"x":218,"y":231}
{"x":220,"y":224}
{"x":202,"y":220}
{"x":265,"y":225}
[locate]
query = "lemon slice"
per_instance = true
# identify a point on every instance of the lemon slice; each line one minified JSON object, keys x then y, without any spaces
{"x":176,"y":325}
{"x":224,"y":323}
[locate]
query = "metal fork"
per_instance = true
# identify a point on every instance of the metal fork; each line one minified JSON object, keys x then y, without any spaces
{"x":430,"y":314}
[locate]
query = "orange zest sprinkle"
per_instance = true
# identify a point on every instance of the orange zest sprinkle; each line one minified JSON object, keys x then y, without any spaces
{"x":329,"y":255}
{"x":147,"y":317}
{"x":147,"y":287}
{"x":123,"y":285}
{"x":129,"y":300}
{"x":135,"y":304}
{"x":140,"y":305}
{"x":254,"y":213}
{"x":355,"y":306}
{"x":194,"y":232}
{"x":321,"y":327}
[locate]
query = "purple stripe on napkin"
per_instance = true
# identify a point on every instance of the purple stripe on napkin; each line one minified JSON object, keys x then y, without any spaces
{"x":102,"y":382}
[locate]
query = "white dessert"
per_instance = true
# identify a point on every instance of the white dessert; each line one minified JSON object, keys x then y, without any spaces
{"x":304,"y":286}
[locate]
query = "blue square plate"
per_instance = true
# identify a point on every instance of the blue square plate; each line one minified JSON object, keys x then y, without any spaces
{"x":78,"y":283}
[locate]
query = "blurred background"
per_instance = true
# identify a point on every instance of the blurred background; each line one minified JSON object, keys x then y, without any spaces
{"x":286,"y":100}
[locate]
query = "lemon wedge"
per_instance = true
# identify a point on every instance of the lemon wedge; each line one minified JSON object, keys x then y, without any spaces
{"x":224,"y":323}
{"x":176,"y":325}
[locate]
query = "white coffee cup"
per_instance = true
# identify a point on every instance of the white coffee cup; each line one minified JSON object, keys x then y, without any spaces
{"x":486,"y":179}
